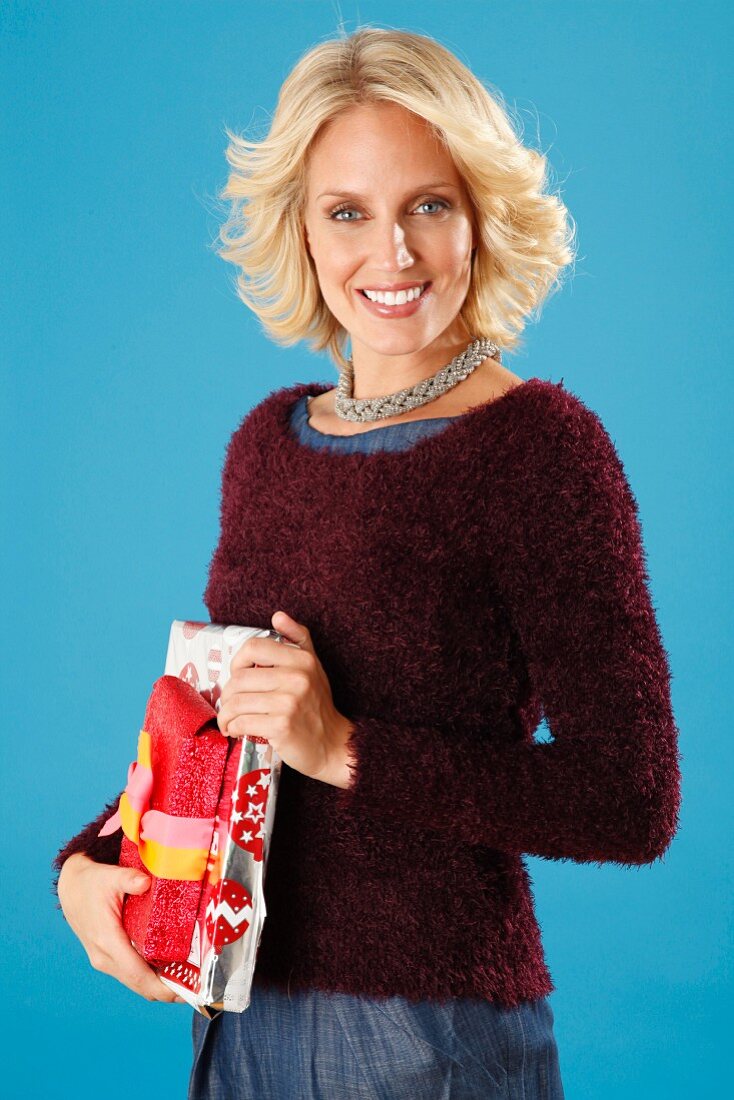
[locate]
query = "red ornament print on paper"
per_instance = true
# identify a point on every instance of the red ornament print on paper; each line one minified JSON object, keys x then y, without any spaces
{"x":228,"y":914}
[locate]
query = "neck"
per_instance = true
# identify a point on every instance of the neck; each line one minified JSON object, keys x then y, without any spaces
{"x":377,"y":374}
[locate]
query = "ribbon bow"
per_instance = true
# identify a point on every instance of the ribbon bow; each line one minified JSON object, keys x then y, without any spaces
{"x":170,"y":847}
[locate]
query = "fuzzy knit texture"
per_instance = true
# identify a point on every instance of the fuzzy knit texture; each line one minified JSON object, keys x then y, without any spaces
{"x":456,"y":593}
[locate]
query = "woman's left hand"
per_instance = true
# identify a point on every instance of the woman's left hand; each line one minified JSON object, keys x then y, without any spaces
{"x":289,"y":703}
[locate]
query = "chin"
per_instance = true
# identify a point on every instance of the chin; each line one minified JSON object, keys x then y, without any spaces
{"x":394,"y":343}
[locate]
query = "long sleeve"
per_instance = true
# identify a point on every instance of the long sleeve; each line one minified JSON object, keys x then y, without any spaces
{"x":568,"y":563}
{"x":102,"y":849}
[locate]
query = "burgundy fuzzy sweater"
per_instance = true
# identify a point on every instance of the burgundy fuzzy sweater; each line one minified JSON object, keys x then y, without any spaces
{"x":456,"y":593}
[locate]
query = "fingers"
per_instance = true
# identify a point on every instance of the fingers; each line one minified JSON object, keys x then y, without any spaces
{"x":118,"y":958}
{"x":93,"y":900}
{"x":265,"y":651}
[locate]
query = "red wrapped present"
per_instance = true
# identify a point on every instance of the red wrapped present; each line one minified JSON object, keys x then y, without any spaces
{"x":168,"y":814}
{"x":196,"y":816}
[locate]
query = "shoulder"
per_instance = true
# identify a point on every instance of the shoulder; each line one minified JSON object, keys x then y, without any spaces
{"x":558,"y":460}
{"x":560,"y":504}
{"x":262,"y":422}
{"x":560,"y":426}
{"x":273,"y":403}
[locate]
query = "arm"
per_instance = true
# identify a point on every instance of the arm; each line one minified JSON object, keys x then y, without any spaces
{"x":102,"y":849}
{"x":569,"y":565}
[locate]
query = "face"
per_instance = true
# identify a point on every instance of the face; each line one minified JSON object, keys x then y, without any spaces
{"x":386,"y":207}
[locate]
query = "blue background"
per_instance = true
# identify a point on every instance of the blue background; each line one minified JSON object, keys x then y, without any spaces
{"x":128,"y":361}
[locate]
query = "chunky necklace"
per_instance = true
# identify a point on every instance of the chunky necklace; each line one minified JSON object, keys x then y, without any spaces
{"x":428,"y":389}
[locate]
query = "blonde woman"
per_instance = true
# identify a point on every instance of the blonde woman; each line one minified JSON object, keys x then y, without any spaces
{"x":457,"y":553}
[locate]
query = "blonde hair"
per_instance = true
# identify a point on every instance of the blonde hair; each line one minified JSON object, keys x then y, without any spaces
{"x":525,"y":233}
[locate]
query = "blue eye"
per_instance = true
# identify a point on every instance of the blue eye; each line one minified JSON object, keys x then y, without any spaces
{"x":346,"y":209}
{"x":434,"y":202}
{"x":341,"y":210}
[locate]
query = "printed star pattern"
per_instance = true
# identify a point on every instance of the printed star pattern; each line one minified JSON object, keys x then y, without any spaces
{"x":249,"y":803}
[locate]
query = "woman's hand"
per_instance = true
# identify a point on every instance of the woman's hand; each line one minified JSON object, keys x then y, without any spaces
{"x":91,"y":896}
{"x":289,"y":703}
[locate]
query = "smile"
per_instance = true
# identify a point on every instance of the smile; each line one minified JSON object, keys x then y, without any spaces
{"x":395,"y":298}
{"x":394,"y":303}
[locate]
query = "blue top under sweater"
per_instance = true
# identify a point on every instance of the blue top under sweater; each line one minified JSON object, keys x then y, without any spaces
{"x":389,"y":437}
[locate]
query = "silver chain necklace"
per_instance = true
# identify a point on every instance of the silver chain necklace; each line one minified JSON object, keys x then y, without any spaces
{"x":364,"y":409}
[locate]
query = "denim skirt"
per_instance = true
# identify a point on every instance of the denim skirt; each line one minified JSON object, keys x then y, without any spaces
{"x":310,"y":1045}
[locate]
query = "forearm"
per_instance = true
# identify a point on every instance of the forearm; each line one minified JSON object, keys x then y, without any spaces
{"x":595,"y":798}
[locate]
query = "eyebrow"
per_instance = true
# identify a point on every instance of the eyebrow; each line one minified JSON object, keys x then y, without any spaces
{"x":413,"y":191}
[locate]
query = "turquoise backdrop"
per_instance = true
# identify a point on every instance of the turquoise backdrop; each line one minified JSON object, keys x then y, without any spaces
{"x":128,"y":360}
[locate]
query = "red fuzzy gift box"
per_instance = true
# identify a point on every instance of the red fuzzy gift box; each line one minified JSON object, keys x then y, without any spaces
{"x":182,"y":756}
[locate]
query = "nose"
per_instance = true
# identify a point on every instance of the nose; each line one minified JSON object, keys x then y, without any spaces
{"x":390,"y":248}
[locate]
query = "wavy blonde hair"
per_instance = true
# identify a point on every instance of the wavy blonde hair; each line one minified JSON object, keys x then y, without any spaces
{"x":525,"y":233}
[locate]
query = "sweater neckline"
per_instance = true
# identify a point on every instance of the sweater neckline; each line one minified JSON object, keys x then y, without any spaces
{"x":384,"y":427}
{"x":455,"y":427}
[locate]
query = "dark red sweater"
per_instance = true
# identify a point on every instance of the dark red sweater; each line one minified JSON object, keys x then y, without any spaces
{"x":456,"y":592}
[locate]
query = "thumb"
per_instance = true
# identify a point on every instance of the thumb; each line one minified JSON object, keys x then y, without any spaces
{"x":135,"y":882}
{"x":294,"y":631}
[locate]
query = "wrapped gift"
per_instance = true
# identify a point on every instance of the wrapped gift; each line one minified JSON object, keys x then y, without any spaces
{"x":197,"y":814}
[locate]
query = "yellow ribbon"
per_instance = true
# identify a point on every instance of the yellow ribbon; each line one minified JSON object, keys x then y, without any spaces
{"x":152,"y":830}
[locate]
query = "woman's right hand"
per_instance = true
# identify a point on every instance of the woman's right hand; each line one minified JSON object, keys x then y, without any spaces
{"x":91,"y":896}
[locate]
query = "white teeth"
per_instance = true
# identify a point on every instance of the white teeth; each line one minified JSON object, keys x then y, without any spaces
{"x":393,"y":298}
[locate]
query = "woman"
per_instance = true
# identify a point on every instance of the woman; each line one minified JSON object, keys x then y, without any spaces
{"x":457,"y":553}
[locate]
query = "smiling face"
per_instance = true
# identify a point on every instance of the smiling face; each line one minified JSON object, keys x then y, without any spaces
{"x":386,"y":207}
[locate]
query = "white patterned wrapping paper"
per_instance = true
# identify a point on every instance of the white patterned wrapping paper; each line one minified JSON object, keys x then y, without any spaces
{"x":218,"y":973}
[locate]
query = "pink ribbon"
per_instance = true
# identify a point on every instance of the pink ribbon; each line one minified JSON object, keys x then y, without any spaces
{"x":155,"y":825}
{"x":138,"y":790}
{"x":176,"y":832}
